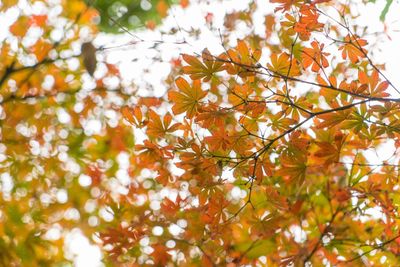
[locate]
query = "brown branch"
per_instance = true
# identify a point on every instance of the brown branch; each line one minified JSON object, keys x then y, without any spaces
{"x":380,"y":246}
{"x":326,"y":230}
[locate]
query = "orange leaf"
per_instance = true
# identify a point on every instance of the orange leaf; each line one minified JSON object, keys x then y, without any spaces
{"x":198,"y":70}
{"x":187,"y":98}
{"x":133,"y":116}
{"x":281,"y":65}
{"x":157,"y":128}
{"x":184,"y":3}
{"x":20,"y":27}
{"x":41,"y":49}
{"x":314,"y":57}
{"x":285,"y":4}
{"x":38,"y":20}
{"x":352,"y":48}
{"x":160,"y":255}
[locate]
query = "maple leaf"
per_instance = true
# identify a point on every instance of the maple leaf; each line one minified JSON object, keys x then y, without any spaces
{"x":198,"y":70}
{"x":187,"y":98}
{"x":314,"y":57}
{"x":170,"y":207}
{"x":280,"y":122}
{"x":249,"y":124}
{"x":150,"y":101}
{"x":329,"y":94}
{"x":286,"y":4}
{"x":305,"y":24}
{"x":160,"y":255}
{"x":241,"y":61}
{"x":219,"y":139}
{"x":293,"y":168}
{"x":157,"y":128}
{"x":353,"y":48}
{"x":372,"y":82}
{"x":332,"y":119}
{"x":164,"y":176}
{"x":329,"y":152}
{"x":284,"y":65}
{"x":133,"y":115}
{"x":151,"y":154}
{"x":289,"y":25}
{"x":210,"y":116}
{"x":277,"y":200}
{"x":308,"y":20}
{"x":240,"y":94}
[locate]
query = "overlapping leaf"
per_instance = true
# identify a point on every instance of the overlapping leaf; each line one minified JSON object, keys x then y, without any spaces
{"x":187,"y":98}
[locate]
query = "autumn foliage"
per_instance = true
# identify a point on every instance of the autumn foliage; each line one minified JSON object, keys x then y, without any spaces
{"x":257,"y":154}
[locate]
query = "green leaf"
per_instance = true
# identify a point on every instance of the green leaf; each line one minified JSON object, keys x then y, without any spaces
{"x":385,"y":9}
{"x":256,"y":250}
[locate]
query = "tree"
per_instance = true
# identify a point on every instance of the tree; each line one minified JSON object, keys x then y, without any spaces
{"x":256,"y":155}
{"x":126,"y":14}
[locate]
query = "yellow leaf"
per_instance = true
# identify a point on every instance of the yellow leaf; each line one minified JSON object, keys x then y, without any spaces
{"x":284,"y":65}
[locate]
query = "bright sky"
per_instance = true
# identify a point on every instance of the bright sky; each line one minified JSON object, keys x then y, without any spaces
{"x":134,"y":59}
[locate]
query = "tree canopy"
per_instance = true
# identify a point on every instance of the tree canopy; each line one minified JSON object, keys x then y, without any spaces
{"x":115,"y":14}
{"x":258,"y":154}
